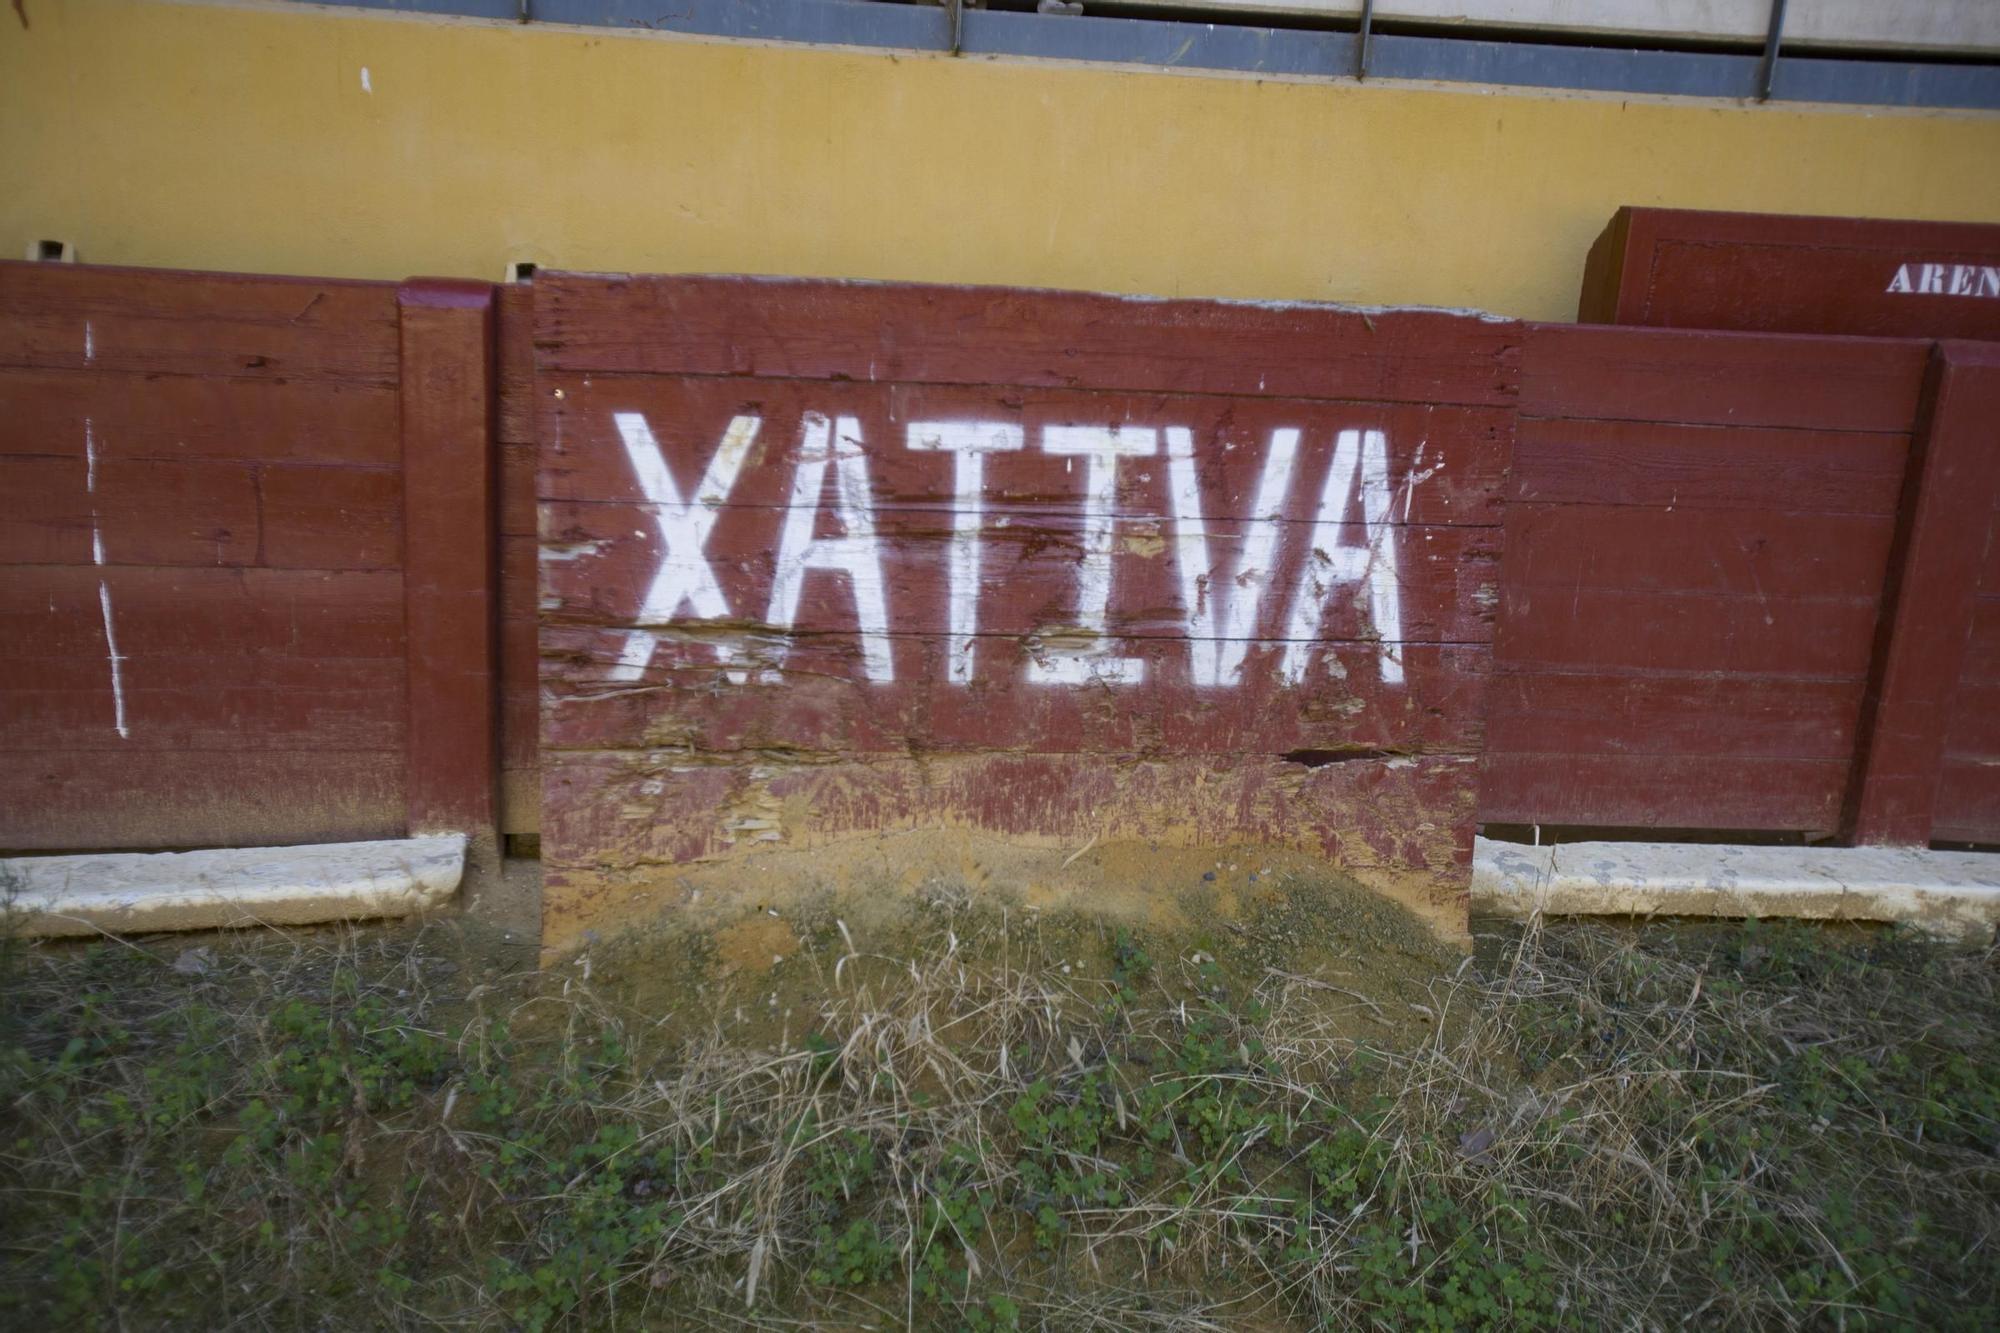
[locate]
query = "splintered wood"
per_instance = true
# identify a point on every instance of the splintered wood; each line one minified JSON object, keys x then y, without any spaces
{"x":824,"y":562}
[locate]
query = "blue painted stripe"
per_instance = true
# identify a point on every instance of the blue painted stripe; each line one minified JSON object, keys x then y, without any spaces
{"x":1275,"y":51}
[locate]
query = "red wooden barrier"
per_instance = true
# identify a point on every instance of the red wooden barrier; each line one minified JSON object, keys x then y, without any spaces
{"x":1698,"y":538}
{"x":1951,"y":599}
{"x":822,"y":561}
{"x":1927,"y":757}
{"x":1673,"y":268}
{"x":206,"y":633}
{"x":201,"y":622}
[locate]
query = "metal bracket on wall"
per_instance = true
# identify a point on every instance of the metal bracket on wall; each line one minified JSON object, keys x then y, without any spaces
{"x":1769,"y":69}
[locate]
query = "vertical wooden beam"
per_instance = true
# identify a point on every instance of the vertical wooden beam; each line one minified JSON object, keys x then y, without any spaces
{"x":449,"y":557}
{"x":1944,"y":523}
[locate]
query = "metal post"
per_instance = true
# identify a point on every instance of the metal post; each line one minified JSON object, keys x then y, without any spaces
{"x":1770,"y":69}
{"x":1361,"y":44}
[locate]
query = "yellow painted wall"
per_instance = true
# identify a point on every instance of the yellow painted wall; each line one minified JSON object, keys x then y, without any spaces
{"x":228,"y":136}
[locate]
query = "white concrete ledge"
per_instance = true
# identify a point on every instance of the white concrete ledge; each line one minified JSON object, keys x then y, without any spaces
{"x":1952,"y":894}
{"x":135,"y":892}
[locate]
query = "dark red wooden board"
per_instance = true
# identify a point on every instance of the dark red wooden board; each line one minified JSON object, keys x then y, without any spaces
{"x":201,"y":597}
{"x":520,"y":746}
{"x":1677,"y":268}
{"x":1700,"y":535}
{"x":838,"y":411}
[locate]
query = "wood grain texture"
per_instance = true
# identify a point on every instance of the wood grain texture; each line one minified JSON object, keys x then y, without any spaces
{"x":1721,"y":379}
{"x":819,"y":706}
{"x":146,"y":799}
{"x":1641,"y":791}
{"x":134,"y":415}
{"x":894,"y":333}
{"x":702,"y":810}
{"x":514,"y":359}
{"x":1700,"y":533}
{"x":1931,"y":595}
{"x":1669,"y":465}
{"x":450,"y":472}
{"x":78,"y":317}
{"x":1677,"y":268}
{"x":1351,"y":731}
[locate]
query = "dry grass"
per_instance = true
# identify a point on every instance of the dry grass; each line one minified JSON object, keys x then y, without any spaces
{"x":1748,"y":1128}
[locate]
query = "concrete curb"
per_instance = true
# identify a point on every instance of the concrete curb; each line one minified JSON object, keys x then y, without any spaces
{"x":131,"y":893}
{"x":1950,"y":894}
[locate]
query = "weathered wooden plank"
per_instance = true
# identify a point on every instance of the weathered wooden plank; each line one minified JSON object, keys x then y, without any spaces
{"x":449,"y":476}
{"x":517,"y":490}
{"x":1763,"y":554}
{"x":514,"y":363}
{"x":222,"y":700}
{"x":331,"y":517}
{"x":131,"y":416}
{"x":78,"y":799}
{"x":1635,"y":791}
{"x":1968,"y":801}
{"x":69,"y":316}
{"x":1577,"y":628}
{"x":1680,"y":268}
{"x":1930,"y":598}
{"x":654,"y":807}
{"x":820,"y":701}
{"x":1038,"y":567}
{"x":520,"y":699}
{"x":1721,"y":379}
{"x":806,"y":329}
{"x":81,"y":511}
{"x":1446,"y":463}
{"x":54,"y":612}
{"x":599,"y":566}
{"x":1678,"y":466}
{"x":1733,"y":716}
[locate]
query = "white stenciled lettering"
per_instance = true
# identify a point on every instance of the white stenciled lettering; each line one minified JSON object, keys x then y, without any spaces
{"x":1917,"y":279}
{"x":683,"y":576}
{"x":968,"y":442}
{"x":854,"y":553}
{"x":1330,"y":565}
{"x":1221,"y":612}
{"x":1101,"y":447}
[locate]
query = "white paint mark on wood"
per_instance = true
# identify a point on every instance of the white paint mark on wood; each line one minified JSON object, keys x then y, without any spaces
{"x":117,"y":663}
{"x":1101,"y":447}
{"x":367,"y":85}
{"x":103,"y":587}
{"x":1220,"y":612}
{"x":854,"y":553}
{"x":683,"y":576}
{"x":968,"y":442}
{"x":1331,"y":565}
